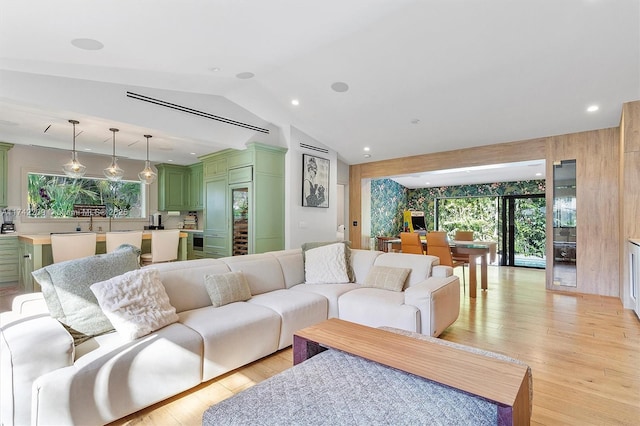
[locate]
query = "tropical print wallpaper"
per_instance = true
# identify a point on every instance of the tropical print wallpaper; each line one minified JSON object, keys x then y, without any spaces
{"x":389,"y":200}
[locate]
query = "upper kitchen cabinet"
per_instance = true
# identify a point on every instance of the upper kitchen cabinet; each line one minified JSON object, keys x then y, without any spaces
{"x":173,"y":187}
{"x":4,"y":154}
{"x":196,"y":198}
{"x":244,"y":200}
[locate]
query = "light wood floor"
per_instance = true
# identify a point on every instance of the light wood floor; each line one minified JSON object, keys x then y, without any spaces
{"x":584,"y":352}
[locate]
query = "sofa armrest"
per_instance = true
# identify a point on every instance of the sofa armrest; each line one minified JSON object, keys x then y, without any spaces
{"x":441,"y":271}
{"x":29,"y":304}
{"x":30,"y":346}
{"x":438,"y":299}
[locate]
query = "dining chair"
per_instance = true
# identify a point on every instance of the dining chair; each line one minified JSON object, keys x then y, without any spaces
{"x":463,"y":236}
{"x":116,"y":239}
{"x":438,"y":245}
{"x":164,"y":247}
{"x":72,"y":246}
{"x":410,"y":243}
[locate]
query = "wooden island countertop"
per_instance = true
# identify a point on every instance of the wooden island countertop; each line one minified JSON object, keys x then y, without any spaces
{"x":34,"y":252}
{"x":42,"y":239}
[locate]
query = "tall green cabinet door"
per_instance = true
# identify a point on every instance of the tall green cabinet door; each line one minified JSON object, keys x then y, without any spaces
{"x":4,"y":172}
{"x":268,"y":185}
{"x":173,"y":187}
{"x":216,"y":220}
{"x":196,"y":193}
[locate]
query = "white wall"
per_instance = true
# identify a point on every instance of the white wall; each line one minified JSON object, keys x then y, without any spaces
{"x":305,"y":224}
{"x":24,"y":158}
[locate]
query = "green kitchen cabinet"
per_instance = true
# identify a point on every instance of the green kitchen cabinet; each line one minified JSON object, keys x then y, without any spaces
{"x":173,"y":187}
{"x":216,"y":221}
{"x":9,"y":259}
{"x":4,"y":172}
{"x":196,"y":181}
{"x":244,"y":200}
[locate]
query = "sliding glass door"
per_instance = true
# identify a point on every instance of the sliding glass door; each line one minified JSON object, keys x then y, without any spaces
{"x":523,"y":221}
{"x":517,"y":223}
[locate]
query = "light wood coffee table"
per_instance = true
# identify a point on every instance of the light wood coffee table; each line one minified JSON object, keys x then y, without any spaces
{"x":503,"y":383}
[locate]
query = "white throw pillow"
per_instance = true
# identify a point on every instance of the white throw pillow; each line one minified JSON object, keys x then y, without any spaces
{"x":326,"y":265}
{"x":136,"y":303}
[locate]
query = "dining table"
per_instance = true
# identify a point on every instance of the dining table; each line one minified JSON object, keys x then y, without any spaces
{"x":477,"y":249}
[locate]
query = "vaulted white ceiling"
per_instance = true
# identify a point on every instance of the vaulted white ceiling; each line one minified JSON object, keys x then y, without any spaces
{"x":423,"y":75}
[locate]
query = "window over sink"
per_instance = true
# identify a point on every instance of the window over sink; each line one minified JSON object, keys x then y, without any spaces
{"x":53,"y":196}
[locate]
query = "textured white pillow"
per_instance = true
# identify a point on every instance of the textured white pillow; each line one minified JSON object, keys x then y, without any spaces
{"x":326,"y":265}
{"x":136,"y":303}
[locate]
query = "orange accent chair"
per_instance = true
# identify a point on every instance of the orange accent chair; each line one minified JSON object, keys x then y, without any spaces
{"x":463,"y":236}
{"x":410,"y":242}
{"x":438,"y":245}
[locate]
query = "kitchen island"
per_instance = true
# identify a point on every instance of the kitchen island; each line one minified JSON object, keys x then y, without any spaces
{"x":34,"y":252}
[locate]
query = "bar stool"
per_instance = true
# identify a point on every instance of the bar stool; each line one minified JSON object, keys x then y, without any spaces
{"x":72,"y":246}
{"x":116,"y":239}
{"x":164,"y":247}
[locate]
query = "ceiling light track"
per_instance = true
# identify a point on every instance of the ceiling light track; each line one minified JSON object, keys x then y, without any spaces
{"x":192,"y":111}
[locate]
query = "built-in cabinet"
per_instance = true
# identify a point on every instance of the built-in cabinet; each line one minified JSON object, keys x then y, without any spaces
{"x":4,"y":167}
{"x":196,"y":195}
{"x":244,"y":200}
{"x":180,"y":187}
{"x":9,"y":259}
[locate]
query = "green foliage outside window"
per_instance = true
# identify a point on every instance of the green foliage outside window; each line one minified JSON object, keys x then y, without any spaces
{"x":477,"y":214}
{"x":55,"y":195}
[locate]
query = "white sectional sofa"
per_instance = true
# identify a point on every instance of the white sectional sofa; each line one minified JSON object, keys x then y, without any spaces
{"x":47,"y":380}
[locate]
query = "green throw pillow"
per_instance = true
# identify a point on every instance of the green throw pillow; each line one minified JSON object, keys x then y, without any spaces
{"x":67,"y":293}
{"x":227,"y":288}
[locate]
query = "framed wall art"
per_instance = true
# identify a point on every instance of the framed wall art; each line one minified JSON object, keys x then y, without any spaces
{"x":315,"y":181}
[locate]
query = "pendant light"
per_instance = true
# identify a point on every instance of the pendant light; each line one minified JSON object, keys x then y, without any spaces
{"x":148,"y":176}
{"x":114,"y":172}
{"x":74,"y":169}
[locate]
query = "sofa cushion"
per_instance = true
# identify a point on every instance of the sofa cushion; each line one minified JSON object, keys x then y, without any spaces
{"x":419,"y":264}
{"x":136,"y":303}
{"x":233,"y":335}
{"x":387,"y":278}
{"x":347,"y":252}
{"x":376,"y":307}
{"x":65,"y":286}
{"x":184,"y":281}
{"x":227,"y":288}
{"x":296,"y":309}
{"x":329,"y":291}
{"x":262,"y":271}
{"x":292,"y":266}
{"x":362,"y":261}
{"x":326,"y":264}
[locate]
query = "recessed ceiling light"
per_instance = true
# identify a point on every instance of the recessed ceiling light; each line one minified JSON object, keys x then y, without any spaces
{"x":87,"y":149}
{"x":214,"y":69}
{"x":366,"y":148}
{"x":367,"y":156}
{"x":245,"y":75}
{"x":427,"y":183}
{"x":593,"y":108}
{"x":340,"y":86}
{"x":87,"y":44}
{"x":192,"y":153}
{"x":538,"y":174}
{"x":295,"y":102}
{"x":415,"y":121}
